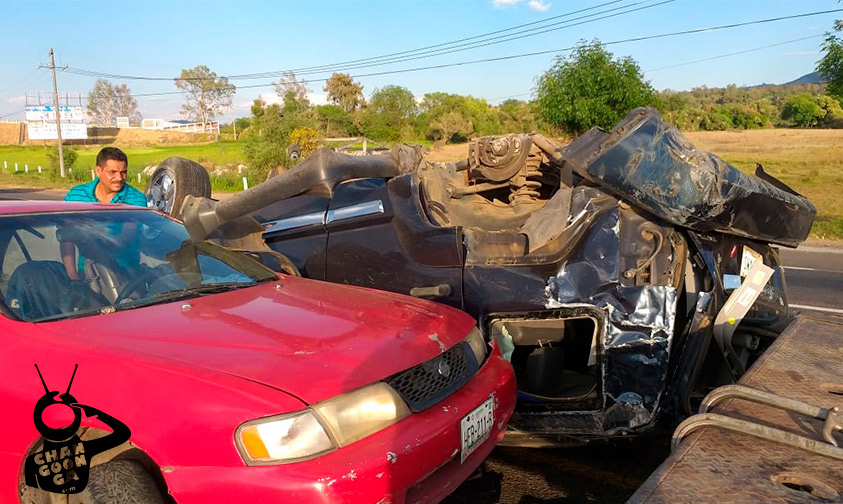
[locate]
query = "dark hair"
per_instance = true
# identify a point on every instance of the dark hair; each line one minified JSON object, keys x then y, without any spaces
{"x":111,"y":153}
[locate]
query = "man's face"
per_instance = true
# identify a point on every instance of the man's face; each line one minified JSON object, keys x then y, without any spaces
{"x":112,"y":175}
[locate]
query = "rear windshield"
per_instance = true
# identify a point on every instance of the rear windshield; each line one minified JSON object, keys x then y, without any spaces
{"x":58,"y":265}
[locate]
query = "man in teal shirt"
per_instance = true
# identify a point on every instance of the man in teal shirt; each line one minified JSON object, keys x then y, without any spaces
{"x":109,"y":187}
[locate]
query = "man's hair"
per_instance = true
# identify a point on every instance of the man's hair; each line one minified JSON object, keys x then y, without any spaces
{"x":111,"y":153}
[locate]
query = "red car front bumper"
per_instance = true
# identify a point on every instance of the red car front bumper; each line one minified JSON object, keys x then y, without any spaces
{"x":415,"y":460}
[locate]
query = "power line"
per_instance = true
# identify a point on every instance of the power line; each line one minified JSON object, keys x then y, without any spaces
{"x":538,"y":53}
{"x":13,"y":113}
{"x":28,"y":81}
{"x":719,"y":56}
{"x":497,"y":40}
{"x":481,"y":35}
{"x":425,"y":52}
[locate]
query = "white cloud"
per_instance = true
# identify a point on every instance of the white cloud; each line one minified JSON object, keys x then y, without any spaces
{"x":18,"y":100}
{"x":799,"y":53}
{"x":539,"y":6}
{"x":270,"y":98}
{"x":317,"y":99}
{"x":503,"y":4}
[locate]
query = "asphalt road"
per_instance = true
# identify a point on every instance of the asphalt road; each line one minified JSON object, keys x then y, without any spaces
{"x":601,"y":472}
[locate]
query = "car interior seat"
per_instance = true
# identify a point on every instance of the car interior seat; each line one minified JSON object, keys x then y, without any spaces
{"x":41,"y":289}
{"x":37,"y":289}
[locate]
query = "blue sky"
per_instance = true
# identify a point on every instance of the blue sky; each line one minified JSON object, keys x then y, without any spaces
{"x":159,"y":38}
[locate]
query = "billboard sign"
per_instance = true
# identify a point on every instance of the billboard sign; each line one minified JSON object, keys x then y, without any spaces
{"x":48,"y":113}
{"x":47,"y":131}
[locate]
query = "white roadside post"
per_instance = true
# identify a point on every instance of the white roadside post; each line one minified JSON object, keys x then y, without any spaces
{"x":245,"y":183}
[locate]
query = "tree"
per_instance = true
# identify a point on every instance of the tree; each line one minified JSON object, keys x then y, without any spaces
{"x":269,"y":135}
{"x":456,"y":118}
{"x":106,"y":102}
{"x":294,"y":93}
{"x":389,"y":113}
{"x":206,"y":95}
{"x":517,"y":117}
{"x":806,"y":111}
{"x":307,"y":139}
{"x":334,"y":121}
{"x":830,"y":65}
{"x":590,"y":89}
{"x":343,"y":91}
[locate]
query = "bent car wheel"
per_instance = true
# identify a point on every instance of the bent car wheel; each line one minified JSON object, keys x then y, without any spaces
{"x":122,"y":481}
{"x":174,"y":179}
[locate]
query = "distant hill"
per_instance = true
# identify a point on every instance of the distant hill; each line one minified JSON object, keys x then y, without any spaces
{"x":811,"y":78}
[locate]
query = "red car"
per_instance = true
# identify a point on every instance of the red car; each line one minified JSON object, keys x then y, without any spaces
{"x":231,"y":382}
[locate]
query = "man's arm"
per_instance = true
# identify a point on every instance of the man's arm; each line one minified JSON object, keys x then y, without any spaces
{"x":68,"y":258}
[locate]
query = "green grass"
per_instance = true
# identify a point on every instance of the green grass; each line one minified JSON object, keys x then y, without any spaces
{"x":225,"y":153}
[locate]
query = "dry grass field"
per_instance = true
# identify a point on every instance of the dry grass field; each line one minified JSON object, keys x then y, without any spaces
{"x":809,"y":161}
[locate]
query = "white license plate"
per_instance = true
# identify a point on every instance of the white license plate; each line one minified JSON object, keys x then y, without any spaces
{"x":476,"y":426}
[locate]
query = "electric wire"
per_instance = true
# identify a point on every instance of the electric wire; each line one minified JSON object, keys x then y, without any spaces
{"x":719,"y":56}
{"x":536,"y":53}
{"x":373,"y":60}
{"x":551,"y":51}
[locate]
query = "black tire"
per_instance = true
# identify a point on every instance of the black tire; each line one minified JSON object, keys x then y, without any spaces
{"x":174,"y":179}
{"x":124,"y":481}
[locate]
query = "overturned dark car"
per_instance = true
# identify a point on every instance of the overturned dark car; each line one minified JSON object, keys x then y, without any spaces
{"x":623,"y":275}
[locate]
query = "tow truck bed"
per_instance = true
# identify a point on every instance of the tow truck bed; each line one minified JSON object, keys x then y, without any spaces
{"x":716,"y":465}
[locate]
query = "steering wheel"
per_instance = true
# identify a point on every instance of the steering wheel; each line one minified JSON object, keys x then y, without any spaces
{"x":132,"y":285}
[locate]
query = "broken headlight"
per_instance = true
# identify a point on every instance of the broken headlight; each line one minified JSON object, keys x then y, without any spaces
{"x":306,"y":434}
{"x":478,"y":345}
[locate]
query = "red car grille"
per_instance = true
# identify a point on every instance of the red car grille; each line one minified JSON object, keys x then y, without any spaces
{"x":428,"y":383}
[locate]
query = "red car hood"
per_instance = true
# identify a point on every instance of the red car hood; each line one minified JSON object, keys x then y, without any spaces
{"x":308,"y":338}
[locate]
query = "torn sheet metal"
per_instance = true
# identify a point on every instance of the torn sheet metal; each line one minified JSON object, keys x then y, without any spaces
{"x":650,"y":164}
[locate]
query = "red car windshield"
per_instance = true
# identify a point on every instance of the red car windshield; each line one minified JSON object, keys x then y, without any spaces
{"x":58,"y":265}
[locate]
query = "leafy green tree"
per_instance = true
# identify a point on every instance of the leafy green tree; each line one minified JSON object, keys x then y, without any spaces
{"x":307,"y":138}
{"x":206,"y":96}
{"x":294,"y":93}
{"x":389,"y":114}
{"x":456,"y":118}
{"x":107,"y":102}
{"x":806,"y":111}
{"x":343,"y":91}
{"x":830,"y":66}
{"x":269,"y":135}
{"x":590,"y":89}
{"x":517,"y":116}
{"x":333,"y":121}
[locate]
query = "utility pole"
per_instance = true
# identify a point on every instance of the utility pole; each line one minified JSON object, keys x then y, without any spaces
{"x":58,"y":114}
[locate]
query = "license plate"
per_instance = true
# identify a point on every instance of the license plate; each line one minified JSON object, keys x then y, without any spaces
{"x":476,"y":426}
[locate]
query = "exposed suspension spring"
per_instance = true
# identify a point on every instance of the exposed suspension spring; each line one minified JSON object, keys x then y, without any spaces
{"x":524,"y":186}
